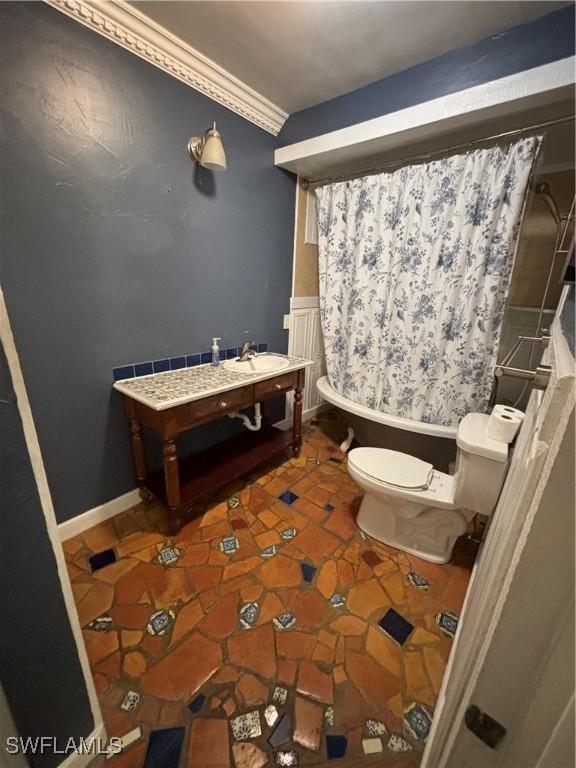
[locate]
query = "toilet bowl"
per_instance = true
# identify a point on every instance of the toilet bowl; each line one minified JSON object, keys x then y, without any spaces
{"x":411,"y":506}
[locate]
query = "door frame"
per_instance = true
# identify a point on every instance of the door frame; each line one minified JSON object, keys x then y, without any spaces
{"x":547,"y":418}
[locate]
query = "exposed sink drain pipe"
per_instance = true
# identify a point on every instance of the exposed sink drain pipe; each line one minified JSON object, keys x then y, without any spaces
{"x":246,"y":419}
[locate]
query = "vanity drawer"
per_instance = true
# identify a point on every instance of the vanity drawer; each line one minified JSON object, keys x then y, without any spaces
{"x":223,"y":403}
{"x":274,"y":386}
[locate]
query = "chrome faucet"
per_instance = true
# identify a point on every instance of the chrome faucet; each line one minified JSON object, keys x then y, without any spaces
{"x":246,"y":353}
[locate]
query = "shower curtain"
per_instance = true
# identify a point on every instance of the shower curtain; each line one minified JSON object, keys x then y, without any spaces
{"x":415,"y":267}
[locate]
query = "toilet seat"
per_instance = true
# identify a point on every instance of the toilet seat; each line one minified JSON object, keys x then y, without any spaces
{"x":399,"y":470}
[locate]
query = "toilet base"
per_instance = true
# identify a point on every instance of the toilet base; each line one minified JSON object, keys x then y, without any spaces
{"x":430,"y":535}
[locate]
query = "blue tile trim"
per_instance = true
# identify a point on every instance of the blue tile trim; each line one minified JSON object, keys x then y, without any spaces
{"x":143,"y":369}
{"x":176,"y":363}
{"x":124,"y":372}
{"x":161,"y":365}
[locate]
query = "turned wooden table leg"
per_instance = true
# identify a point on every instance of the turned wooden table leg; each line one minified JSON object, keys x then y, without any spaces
{"x":297,"y":420}
{"x":138,"y":449}
{"x":172,"y":481}
{"x":138,"y":453}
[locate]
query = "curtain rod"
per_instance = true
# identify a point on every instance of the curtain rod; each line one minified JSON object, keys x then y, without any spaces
{"x":305,"y":184}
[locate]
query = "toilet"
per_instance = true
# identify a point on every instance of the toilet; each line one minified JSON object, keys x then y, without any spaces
{"x":411,"y":506}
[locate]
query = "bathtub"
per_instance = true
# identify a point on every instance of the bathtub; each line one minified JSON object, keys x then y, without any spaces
{"x":430,"y":442}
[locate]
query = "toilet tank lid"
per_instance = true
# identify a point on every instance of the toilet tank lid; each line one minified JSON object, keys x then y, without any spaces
{"x":473,"y":439}
{"x":392,"y":467}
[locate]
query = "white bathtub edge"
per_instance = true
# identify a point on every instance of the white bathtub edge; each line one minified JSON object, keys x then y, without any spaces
{"x":437,"y":430}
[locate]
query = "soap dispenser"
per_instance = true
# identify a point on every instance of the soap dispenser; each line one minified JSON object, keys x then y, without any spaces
{"x":216,"y":351}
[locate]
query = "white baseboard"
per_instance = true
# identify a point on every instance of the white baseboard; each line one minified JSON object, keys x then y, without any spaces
{"x":306,"y":416}
{"x":74,"y":760}
{"x":92,"y":517}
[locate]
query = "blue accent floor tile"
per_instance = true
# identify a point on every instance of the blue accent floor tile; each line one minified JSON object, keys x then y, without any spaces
{"x":161,"y":365}
{"x":282,"y":731}
{"x":124,"y":372}
{"x":143,"y":369}
{"x":102,"y":559}
{"x":177,"y":362}
{"x":164,"y":748}
{"x":308,"y":572}
{"x":396,"y":626}
{"x":206,"y":357}
{"x":197,"y":703}
{"x":336,"y":746}
{"x":192,"y":360}
{"x":335,"y":460}
{"x":329,"y":507}
{"x":262,"y":347}
{"x":288,"y":497}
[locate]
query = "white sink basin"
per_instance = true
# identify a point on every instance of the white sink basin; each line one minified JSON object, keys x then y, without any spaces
{"x":262,"y":364}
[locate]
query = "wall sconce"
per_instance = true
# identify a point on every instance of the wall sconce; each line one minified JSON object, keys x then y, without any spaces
{"x":208,"y":151}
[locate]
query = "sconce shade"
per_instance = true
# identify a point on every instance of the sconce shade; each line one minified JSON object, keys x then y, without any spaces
{"x":213,"y":156}
{"x":208,"y":151}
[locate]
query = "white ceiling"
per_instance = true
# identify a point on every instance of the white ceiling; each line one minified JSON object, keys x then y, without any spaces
{"x":298,"y":54}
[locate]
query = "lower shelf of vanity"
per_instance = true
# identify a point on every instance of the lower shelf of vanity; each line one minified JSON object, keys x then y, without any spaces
{"x":215,"y":467}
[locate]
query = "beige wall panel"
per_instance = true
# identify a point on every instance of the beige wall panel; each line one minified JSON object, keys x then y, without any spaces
{"x":305,"y":255}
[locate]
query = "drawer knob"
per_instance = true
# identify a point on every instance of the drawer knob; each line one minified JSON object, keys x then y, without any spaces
{"x":277,"y":386}
{"x":222,"y":404}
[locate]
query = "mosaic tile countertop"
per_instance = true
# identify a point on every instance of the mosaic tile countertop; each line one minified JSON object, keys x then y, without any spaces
{"x":165,"y":390}
{"x":269,"y":631}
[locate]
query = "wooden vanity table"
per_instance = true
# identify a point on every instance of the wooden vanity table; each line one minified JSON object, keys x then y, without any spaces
{"x":180,"y":483}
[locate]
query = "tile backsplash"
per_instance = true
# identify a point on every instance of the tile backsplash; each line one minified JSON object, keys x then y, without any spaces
{"x":133,"y":370}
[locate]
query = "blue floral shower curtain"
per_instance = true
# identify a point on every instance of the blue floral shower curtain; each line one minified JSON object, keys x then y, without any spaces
{"x":415,"y":267}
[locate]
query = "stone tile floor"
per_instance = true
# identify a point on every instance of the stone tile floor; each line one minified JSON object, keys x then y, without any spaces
{"x":255,"y":631}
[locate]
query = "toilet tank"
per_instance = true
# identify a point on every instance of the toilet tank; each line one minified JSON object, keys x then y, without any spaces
{"x":481,"y":466}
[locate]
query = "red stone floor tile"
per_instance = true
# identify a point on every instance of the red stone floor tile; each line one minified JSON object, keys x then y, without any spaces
{"x":315,"y":683}
{"x":339,"y":656}
{"x":309,"y":607}
{"x":254,"y":650}
{"x":205,"y":577}
{"x":366,"y":598}
{"x":250,"y":691}
{"x":221,"y":620}
{"x":309,"y":718}
{"x":296,"y":645}
{"x":342,"y":521}
{"x":280,"y":571}
{"x":187,"y":618}
{"x":95,"y":603}
{"x":287,"y":671}
{"x":184,"y":670}
{"x":131,"y":616}
{"x":327,"y":579}
{"x":99,"y":645}
{"x":209,"y":744}
{"x":316,"y":543}
{"x":371,"y":679}
{"x":195,"y":554}
{"x":271,"y":606}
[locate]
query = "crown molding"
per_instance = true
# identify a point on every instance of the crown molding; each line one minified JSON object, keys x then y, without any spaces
{"x":127,"y":27}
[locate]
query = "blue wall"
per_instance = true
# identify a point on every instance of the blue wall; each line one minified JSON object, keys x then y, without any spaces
{"x":116,"y":249}
{"x":547,"y":39}
{"x":39,"y":665}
